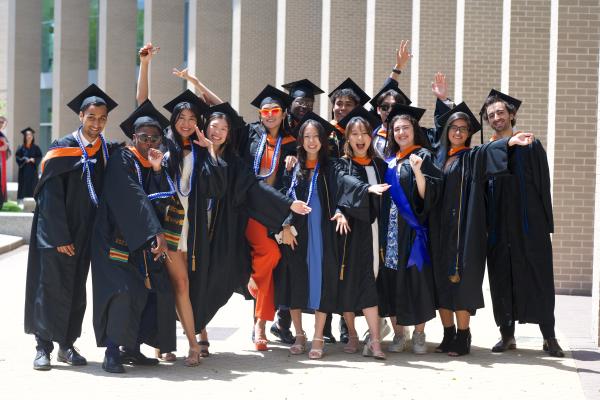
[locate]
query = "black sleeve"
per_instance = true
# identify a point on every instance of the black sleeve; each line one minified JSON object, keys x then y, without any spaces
{"x":541,"y":180}
{"x":19,"y":158}
{"x":212,"y":175}
{"x":52,"y":228}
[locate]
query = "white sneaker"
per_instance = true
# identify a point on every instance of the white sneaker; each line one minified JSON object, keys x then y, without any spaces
{"x":398,"y":344}
{"x":418,"y":343}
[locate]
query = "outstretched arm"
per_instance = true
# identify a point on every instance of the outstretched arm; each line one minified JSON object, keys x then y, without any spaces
{"x":208,"y":95}
{"x":146,"y":53}
{"x":402,"y":58}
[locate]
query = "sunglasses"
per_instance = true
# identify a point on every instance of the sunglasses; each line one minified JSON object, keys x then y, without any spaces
{"x":267,"y":112}
{"x":385,"y":107}
{"x":149,"y":138}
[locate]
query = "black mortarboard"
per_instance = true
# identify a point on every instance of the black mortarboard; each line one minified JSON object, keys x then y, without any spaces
{"x":24,"y":131}
{"x":400,"y":109}
{"x":187,"y":97}
{"x":350,"y":84}
{"x":462,"y":107}
{"x":311,"y":115}
{"x":495,"y":93}
{"x":92,"y":94}
{"x":372,"y":119}
{"x":302,"y":88}
{"x":145,"y":115}
{"x":392,"y":85}
{"x":272,"y":95}
{"x":225,"y":108}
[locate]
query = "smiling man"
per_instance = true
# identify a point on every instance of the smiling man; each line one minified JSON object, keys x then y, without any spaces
{"x":59,"y":251}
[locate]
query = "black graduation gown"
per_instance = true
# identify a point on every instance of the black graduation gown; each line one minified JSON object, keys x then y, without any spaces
{"x":55,"y":295}
{"x":510,"y":221}
{"x":28,"y":172}
{"x":407,"y":293}
{"x":126,"y":224}
{"x":230,"y":267}
{"x":357,"y":289}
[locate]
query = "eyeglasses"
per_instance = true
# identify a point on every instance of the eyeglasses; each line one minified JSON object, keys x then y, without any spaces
{"x":149,"y":138}
{"x":267,"y":112}
{"x":304,"y":103}
{"x":385,"y":107}
{"x":461,"y":129}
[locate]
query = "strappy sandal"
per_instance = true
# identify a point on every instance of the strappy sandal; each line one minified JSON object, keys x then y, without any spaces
{"x":204,"y":344}
{"x":193,"y":359}
{"x":168,"y":357}
{"x":299,"y":348}
{"x":316,"y":354}
{"x":352,"y":346}
{"x":260,"y":340}
{"x":369,"y":352}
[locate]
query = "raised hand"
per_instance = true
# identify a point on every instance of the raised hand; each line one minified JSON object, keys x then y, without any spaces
{"x":147,"y":52}
{"x":155,"y":157}
{"x":439,"y":86}
{"x":300,"y":207}
{"x":403,"y":55}
{"x":342,"y":227}
{"x":202,"y":141}
{"x":183,"y":74}
{"x":415,"y":162}
{"x":521,"y":139}
{"x":379,"y":188}
{"x":290,"y":162}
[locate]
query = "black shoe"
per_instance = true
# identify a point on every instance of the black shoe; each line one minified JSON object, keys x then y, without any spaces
{"x":42,"y":361}
{"x":449,"y":334}
{"x":136,"y":358}
{"x":461,"y":344}
{"x":328,"y":337}
{"x":344,"y":336}
{"x":113,"y":365}
{"x":552,"y":347}
{"x":284,"y":335}
{"x":506,"y":343}
{"x":71,"y":356}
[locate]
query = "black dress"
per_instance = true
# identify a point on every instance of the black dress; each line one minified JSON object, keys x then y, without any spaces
{"x":510,"y":221}
{"x":126,"y":225}
{"x":357,"y":287}
{"x":407,"y":292}
{"x":28,"y":172}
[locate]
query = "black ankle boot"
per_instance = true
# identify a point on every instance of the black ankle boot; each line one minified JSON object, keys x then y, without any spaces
{"x":552,"y":347}
{"x":449,"y":334}
{"x":461,"y":344}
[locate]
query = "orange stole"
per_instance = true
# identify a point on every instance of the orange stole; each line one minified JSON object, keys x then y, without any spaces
{"x":267,"y":156}
{"x":452,"y":152}
{"x":71,"y":152}
{"x":403,"y":154}
{"x":143,"y":160}
{"x":364,"y":161}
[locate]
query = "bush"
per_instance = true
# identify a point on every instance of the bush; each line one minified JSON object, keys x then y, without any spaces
{"x":11,"y":206}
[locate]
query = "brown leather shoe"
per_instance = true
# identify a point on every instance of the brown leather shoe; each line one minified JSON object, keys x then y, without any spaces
{"x":506,"y":343}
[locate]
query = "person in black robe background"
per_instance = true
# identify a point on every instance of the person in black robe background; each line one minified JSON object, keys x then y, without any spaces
{"x":28,"y":157}
{"x":59,"y":251}
{"x":133,"y":298}
{"x":510,"y":223}
{"x":406,"y":284}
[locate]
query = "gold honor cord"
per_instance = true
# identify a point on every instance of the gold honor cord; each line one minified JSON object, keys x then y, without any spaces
{"x":455,"y":278}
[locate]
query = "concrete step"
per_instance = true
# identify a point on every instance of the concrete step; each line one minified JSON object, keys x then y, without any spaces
{"x":8,"y":243}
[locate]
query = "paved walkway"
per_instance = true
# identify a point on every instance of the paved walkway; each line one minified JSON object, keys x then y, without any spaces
{"x":234,"y":369}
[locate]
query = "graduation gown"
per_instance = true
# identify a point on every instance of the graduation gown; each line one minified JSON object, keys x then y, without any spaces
{"x":126,"y":225}
{"x":510,"y":221}
{"x":28,"y":172}
{"x":4,"y":155}
{"x":357,"y":287}
{"x":55,"y":295}
{"x":230,"y":267}
{"x":407,"y":293}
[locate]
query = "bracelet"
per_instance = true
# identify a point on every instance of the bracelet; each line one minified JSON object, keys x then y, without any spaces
{"x":396,"y":71}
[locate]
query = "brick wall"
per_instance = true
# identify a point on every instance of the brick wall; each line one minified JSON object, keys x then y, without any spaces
{"x":576,"y":130}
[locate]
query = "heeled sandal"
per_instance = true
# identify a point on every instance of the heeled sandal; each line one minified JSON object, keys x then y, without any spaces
{"x":369,"y":352}
{"x":316,"y":354}
{"x":260,"y":341}
{"x":204,"y":344}
{"x":352,"y":346}
{"x":299,"y":348}
{"x":167,"y":357}
{"x":193,"y":359}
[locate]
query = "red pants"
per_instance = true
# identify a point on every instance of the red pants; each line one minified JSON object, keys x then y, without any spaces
{"x":265,"y":256}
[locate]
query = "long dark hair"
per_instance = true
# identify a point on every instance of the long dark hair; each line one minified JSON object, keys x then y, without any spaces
{"x":323,"y":156}
{"x":442,"y":154}
{"x":175,"y":144}
{"x":419,"y":137}
{"x":227,"y":146}
{"x":356,"y":121}
{"x":32,"y":137}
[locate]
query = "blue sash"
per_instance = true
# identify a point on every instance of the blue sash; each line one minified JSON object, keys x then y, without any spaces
{"x":419,"y":255}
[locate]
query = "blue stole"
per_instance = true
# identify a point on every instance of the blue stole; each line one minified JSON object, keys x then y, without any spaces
{"x":419,"y":255}
{"x":314,"y":253}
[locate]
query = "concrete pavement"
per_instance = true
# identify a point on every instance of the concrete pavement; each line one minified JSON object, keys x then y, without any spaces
{"x":235,"y":369}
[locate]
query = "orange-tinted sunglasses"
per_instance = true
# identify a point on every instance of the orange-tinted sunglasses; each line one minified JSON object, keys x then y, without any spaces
{"x":267,"y":112}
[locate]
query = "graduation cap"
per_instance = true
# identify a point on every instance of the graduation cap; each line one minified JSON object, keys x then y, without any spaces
{"x":311,"y":115}
{"x":350,"y":84}
{"x":372,"y":119}
{"x":462,"y":107}
{"x":516,"y":103}
{"x":24,"y":131}
{"x":91,"y":95}
{"x":401,"y":109}
{"x":145,"y":115}
{"x":302,"y":88}
{"x":225,"y":108}
{"x":392,"y":85}
{"x":272,"y":95}
{"x":187,"y":97}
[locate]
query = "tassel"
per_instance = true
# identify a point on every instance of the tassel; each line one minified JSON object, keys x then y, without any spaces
{"x":147,"y":282}
{"x":342,"y":272}
{"x":193,"y":263}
